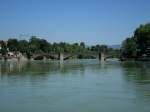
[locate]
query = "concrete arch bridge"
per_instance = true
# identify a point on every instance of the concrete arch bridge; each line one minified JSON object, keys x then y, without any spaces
{"x":65,"y":56}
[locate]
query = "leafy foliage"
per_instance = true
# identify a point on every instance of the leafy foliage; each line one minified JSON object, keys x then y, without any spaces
{"x":139,"y":44}
{"x":129,"y":48}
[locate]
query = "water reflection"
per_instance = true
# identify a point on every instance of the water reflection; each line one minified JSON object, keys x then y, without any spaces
{"x":39,"y":68}
{"x":138,"y":76}
{"x":137,"y":71}
{"x":133,"y":71}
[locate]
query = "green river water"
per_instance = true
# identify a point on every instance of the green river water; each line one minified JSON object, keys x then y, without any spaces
{"x":75,"y":86}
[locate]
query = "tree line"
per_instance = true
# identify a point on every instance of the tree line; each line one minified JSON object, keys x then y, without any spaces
{"x":36,"y":45}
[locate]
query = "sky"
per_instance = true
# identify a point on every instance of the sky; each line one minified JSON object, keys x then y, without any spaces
{"x":92,"y":21}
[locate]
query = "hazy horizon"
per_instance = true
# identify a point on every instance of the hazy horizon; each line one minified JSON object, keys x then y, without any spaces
{"x":91,"y":21}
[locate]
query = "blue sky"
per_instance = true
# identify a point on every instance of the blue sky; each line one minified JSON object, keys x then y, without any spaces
{"x":92,"y":21}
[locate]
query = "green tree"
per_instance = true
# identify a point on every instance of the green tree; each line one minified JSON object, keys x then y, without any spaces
{"x":44,"y":46}
{"x":129,"y":48}
{"x":12,"y":44}
{"x":142,"y":38}
{"x":34,"y":44}
{"x":3,"y":48}
{"x":23,"y":46}
{"x":104,"y":48}
{"x":82,"y":44}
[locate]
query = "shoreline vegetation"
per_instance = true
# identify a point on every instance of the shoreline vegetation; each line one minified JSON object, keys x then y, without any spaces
{"x":135,"y":48}
{"x":39,"y":49}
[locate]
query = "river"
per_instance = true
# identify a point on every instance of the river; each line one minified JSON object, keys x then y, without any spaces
{"x":75,"y":86}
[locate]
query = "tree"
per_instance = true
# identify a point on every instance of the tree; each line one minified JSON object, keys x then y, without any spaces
{"x":34,"y":44}
{"x":3,"y":48}
{"x":103,"y":48}
{"x":139,"y":44}
{"x":99,"y":48}
{"x":129,"y":48}
{"x":13,"y":45}
{"x":23,"y":46}
{"x":44,"y":46}
{"x":142,"y":38}
{"x":82,"y":44}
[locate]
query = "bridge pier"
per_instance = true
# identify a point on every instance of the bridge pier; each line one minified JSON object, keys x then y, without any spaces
{"x":102,"y":56}
{"x":61,"y":56}
{"x":44,"y":58}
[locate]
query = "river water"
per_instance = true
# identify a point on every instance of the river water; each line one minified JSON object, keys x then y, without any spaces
{"x":75,"y":86}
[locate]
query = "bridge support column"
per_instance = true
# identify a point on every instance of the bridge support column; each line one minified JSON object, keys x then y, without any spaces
{"x":44,"y":58}
{"x":102,"y":56}
{"x":61,"y":56}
